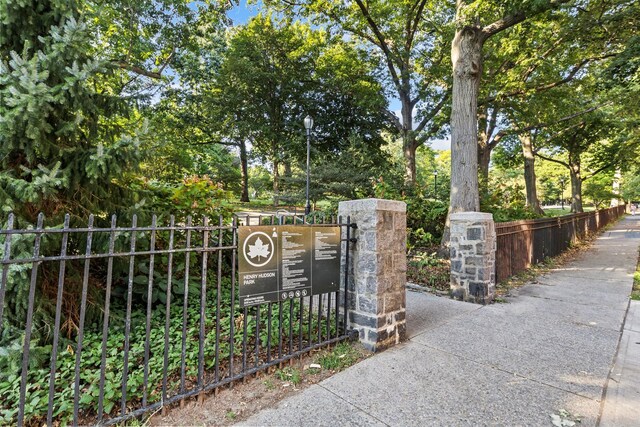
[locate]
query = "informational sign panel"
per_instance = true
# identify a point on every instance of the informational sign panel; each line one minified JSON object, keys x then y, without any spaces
{"x":280,"y":262}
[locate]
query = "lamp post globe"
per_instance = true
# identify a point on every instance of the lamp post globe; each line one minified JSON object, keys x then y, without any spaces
{"x":308,"y":125}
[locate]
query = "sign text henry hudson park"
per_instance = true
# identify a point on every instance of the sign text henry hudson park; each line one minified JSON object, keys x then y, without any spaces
{"x":280,"y":262}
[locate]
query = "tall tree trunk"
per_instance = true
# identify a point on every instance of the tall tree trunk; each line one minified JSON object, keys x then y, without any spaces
{"x":287,"y":168}
{"x":576,"y":188}
{"x":484,"y":152}
{"x":409,"y":151}
{"x":466,"y":55}
{"x":530,"y":173}
{"x":615,"y":200}
{"x":484,"y":158}
{"x":276,"y":181}
{"x":244,"y":197}
{"x":408,"y":139}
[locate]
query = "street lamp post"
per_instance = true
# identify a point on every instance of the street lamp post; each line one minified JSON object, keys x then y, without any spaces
{"x":308,"y":124}
{"x":435,"y":183}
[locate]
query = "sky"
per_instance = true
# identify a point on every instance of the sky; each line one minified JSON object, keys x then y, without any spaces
{"x":241,"y":13}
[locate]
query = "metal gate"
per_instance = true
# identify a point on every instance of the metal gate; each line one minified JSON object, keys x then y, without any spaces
{"x":103,"y":323}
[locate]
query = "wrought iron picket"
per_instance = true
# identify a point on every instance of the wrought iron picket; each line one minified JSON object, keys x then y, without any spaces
{"x":147,"y":298}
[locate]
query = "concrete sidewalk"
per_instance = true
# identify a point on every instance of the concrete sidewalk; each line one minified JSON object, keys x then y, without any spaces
{"x":548,"y":355}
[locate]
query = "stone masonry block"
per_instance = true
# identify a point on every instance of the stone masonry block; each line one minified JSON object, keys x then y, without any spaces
{"x":475,"y":260}
{"x":370,"y":285}
{"x":475,"y":233}
{"x":384,"y":261}
{"x":362,"y":320}
{"x":379,"y":270}
{"x":385,"y":221}
{"x":393,"y":301}
{"x":470,"y":271}
{"x":400,"y":262}
{"x":370,"y":241}
{"x":473,"y":241}
{"x":368,"y":304}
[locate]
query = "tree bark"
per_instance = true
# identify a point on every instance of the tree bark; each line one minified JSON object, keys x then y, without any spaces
{"x":530,"y":173}
{"x":409,"y":145}
{"x":287,"y":168}
{"x":466,"y":56}
{"x":615,"y":188}
{"x":409,"y":151}
{"x":484,"y":154}
{"x":244,"y":197}
{"x":484,"y":159}
{"x":576,"y":188}
{"x":276,"y":181}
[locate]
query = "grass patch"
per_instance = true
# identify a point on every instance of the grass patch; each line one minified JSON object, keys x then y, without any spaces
{"x":552,"y":212}
{"x":268,"y":383}
{"x":289,"y":374}
{"x":557,"y":212}
{"x":635,"y":291}
{"x":340,"y":357}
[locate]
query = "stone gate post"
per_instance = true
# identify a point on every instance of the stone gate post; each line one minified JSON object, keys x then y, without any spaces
{"x":377,"y":271}
{"x":473,"y":256}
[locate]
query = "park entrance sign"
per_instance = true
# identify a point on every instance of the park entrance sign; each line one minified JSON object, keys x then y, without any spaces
{"x":281,"y":262}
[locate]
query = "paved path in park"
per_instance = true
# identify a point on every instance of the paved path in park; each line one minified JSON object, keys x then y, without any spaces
{"x":562,"y":348}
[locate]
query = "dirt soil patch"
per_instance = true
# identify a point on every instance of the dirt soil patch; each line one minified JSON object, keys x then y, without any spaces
{"x":428,"y":272}
{"x":242,"y":399}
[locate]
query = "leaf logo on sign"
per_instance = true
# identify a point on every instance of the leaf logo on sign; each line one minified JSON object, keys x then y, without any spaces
{"x":258,"y":249}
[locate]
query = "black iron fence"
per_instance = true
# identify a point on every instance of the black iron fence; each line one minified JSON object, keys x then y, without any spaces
{"x":104,"y":322}
{"x":521,"y":244}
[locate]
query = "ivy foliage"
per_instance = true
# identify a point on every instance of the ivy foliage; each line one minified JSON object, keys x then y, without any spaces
{"x":231,"y":323}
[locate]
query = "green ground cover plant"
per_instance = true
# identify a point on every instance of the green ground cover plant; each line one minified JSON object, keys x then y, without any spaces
{"x":635,"y":291}
{"x":90,"y":362}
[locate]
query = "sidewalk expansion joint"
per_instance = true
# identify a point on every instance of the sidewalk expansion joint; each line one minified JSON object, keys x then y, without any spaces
{"x":446,"y":322}
{"x":515,"y":374}
{"x":586,"y":278}
{"x":354,"y":405}
{"x":613,"y":365}
{"x":570,"y":302}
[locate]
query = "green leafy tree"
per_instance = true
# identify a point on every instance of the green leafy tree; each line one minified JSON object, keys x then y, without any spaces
{"x":410,"y":40}
{"x":586,"y":149}
{"x":272,"y":74}
{"x":599,"y":190}
{"x":476,"y":23}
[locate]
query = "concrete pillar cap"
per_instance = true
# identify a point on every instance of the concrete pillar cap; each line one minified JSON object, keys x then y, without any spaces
{"x":471,"y":216}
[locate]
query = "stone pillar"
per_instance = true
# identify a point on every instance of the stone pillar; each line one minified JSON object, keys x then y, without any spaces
{"x":473,"y":256}
{"x":378,"y":270}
